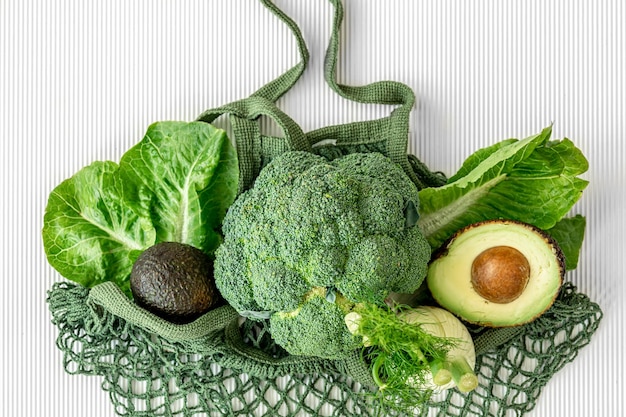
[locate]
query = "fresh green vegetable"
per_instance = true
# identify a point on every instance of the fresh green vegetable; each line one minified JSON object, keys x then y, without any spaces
{"x":314,"y":238}
{"x":569,"y":234}
{"x":433,"y":328}
{"x":318,"y":325}
{"x":457,"y":368}
{"x":90,"y":234}
{"x":184,"y":177}
{"x":414,"y":351}
{"x":534,"y":180}
{"x":174,"y":185}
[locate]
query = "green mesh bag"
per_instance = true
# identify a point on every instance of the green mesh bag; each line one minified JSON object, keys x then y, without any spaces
{"x":223,"y":365}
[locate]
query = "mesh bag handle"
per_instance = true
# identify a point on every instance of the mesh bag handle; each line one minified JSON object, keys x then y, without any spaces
{"x":276,"y":88}
{"x":388,"y":135}
{"x":253,"y":149}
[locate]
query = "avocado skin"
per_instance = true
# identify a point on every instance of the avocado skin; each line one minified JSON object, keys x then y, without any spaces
{"x":174,"y":281}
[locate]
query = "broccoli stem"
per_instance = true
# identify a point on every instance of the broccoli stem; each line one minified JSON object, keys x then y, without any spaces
{"x":440,"y":372}
{"x":463,"y":374}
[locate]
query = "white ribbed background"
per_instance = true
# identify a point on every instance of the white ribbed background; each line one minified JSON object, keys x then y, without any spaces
{"x":81,"y":80}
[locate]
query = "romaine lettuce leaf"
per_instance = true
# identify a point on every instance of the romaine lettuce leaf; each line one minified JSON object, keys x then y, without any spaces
{"x":534,"y":180}
{"x":174,"y":185}
{"x":569,"y":234}
{"x":184,"y":177}
{"x":90,"y":234}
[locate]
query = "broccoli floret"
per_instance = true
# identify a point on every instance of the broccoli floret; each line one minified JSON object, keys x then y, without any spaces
{"x":309,"y":227}
{"x":316,"y":328}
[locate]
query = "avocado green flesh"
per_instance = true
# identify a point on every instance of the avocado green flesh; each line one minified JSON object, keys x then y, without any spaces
{"x":449,"y":276}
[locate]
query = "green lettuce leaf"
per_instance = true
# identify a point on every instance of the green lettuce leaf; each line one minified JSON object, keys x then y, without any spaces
{"x":534,"y":180}
{"x":569,"y":234}
{"x":184,"y":176}
{"x":174,"y":185}
{"x":90,"y":234}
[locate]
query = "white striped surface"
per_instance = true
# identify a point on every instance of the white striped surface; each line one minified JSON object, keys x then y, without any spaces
{"x":81,"y":81}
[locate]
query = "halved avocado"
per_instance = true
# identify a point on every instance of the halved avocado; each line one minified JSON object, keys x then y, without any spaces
{"x":497,"y":273}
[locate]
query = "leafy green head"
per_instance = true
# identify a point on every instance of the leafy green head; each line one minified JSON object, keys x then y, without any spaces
{"x":175,"y":185}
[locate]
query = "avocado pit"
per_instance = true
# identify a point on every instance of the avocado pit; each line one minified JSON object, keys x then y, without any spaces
{"x":500,"y":274}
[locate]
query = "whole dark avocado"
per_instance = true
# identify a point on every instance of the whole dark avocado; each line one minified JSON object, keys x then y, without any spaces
{"x":174,"y":281}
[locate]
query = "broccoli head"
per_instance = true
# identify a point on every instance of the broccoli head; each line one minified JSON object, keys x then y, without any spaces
{"x":313,"y":239}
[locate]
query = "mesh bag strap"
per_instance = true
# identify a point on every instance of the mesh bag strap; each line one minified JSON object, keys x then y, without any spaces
{"x":392,"y":130}
{"x":251,"y":145}
{"x":275,"y":89}
{"x":388,"y":135}
{"x":109,"y":296}
{"x":253,"y":148}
